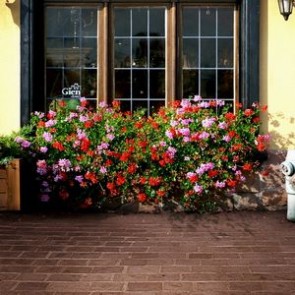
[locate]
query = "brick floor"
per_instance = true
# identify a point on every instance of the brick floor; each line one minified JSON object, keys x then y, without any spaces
{"x":147,"y":254}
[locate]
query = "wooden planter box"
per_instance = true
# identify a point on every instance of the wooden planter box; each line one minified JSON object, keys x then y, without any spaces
{"x":10,"y":189}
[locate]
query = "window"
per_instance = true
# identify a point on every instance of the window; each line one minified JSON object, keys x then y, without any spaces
{"x":208,"y":42}
{"x":71,"y":39}
{"x":175,"y":50}
{"x":139,"y":57}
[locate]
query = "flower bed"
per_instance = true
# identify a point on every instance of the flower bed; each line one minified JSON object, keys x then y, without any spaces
{"x":192,"y":154}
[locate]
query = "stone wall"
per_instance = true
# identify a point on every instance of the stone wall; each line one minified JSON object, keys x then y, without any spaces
{"x":265,"y":190}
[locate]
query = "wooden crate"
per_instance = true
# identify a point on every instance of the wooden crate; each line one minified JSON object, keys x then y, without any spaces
{"x":10,"y":193}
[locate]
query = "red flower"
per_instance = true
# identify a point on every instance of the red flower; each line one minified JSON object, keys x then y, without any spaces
{"x":58,"y":146}
{"x":230,"y":116}
{"x":125,"y":156}
{"x":88,"y":124}
{"x":247,"y":167}
{"x":256,"y":120}
{"x":154,"y":181}
{"x":248,"y":112}
{"x":142,"y":180}
{"x":41,"y":124}
{"x":87,"y":203}
{"x":194,"y":178}
{"x":132,"y":168}
{"x":63,"y":194}
{"x":91,"y":176}
{"x":141,"y":197}
{"x":85,"y":143}
{"x":161,"y":193}
{"x":212,"y":173}
{"x":231,"y":183}
{"x":138,"y":124}
{"x":120,"y":180}
{"x":111,"y":186}
{"x":116,"y":104}
{"x":263,"y":108}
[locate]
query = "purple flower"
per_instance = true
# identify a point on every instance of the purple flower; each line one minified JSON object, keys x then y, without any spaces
{"x":171,"y":151}
{"x":184,"y":131}
{"x":169,"y":134}
{"x":43,"y":149}
{"x":185,"y":103}
{"x":226,"y":138}
{"x":204,"y":104}
{"x":204,"y":135}
{"x":44,"y":198}
{"x":47,"y":136}
{"x":222,"y":125}
{"x":103,"y":170}
{"x":18,"y":139}
{"x":207,"y":123}
{"x":50,"y":123}
{"x":41,"y":167}
{"x":220,"y":184}
{"x":198,"y":189}
{"x":52,"y":113}
{"x":79,"y":178}
{"x":64,"y":164}
{"x":83,"y":118}
{"x":197,"y":98}
{"x":110,"y":136}
{"x":81,"y":134}
{"x":25,"y":144}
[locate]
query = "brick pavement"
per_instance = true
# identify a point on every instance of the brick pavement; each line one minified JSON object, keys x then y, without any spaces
{"x":147,"y":254}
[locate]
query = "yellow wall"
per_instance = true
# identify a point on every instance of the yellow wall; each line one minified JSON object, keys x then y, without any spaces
{"x":277,"y":74}
{"x":9,"y":66}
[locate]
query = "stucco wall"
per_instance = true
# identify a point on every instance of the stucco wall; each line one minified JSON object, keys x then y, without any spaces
{"x":277,"y":75}
{"x":9,"y":66}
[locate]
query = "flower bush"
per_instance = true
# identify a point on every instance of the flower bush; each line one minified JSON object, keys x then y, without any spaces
{"x":193,"y":153}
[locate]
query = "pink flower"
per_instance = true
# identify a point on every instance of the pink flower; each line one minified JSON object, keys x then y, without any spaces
{"x":220,"y":184}
{"x":204,"y":135}
{"x":198,"y":189}
{"x":207,"y":123}
{"x":47,"y":136}
{"x":103,"y":170}
{"x":169,"y":134}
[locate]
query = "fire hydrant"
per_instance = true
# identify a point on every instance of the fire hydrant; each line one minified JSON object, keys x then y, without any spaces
{"x":288,"y":169}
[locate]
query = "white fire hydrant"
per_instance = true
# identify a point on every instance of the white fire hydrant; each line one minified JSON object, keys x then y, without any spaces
{"x":288,"y":169}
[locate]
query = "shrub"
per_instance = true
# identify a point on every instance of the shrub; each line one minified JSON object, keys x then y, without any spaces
{"x":193,"y":154}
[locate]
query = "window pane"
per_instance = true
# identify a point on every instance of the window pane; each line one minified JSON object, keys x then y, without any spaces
{"x":190,"y":58}
{"x":157,"y":84}
{"x":54,"y":83}
{"x":157,"y":22}
{"x":208,"y":22}
{"x":155,"y":105}
{"x":122,"y":84}
{"x":140,"y":104}
{"x":157,"y":53}
{"x":225,"y":84}
{"x":190,"y":83}
{"x":139,"y":84}
{"x":139,"y":22}
{"x":89,"y":52}
{"x":225,"y":53}
{"x":208,"y":53}
{"x":89,"y":83}
{"x":225,"y":22}
{"x":139,"y":53}
{"x":208,"y":83}
{"x":190,"y":21}
{"x":122,"y":53}
{"x":122,"y":24}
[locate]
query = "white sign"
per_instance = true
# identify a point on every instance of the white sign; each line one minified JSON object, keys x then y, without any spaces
{"x":74,"y":91}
